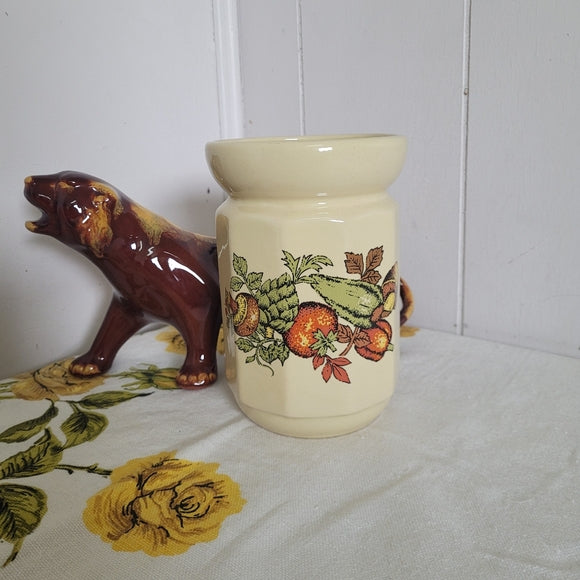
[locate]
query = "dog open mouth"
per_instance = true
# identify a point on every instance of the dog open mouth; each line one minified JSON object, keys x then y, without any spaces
{"x":38,"y":225}
{"x":41,"y":196}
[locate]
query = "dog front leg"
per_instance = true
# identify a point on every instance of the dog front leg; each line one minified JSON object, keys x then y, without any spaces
{"x":121,"y":321}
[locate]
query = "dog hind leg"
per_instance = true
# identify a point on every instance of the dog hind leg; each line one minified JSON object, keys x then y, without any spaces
{"x":121,"y":321}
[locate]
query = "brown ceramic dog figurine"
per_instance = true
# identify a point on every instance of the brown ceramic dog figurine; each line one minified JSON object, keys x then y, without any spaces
{"x":158,"y":271}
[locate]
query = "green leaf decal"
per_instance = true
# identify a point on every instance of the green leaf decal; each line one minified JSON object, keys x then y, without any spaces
{"x":267,"y":353}
{"x":245,"y":345}
{"x":236,"y":283}
{"x":27,"y":429}
{"x":41,"y":457}
{"x":324,"y":343}
{"x":315,"y":263}
{"x":291,"y":262}
{"x":298,"y":266}
{"x":275,"y":350}
{"x":254,"y":280}
{"x":108,"y":399}
{"x":83,"y":426}
{"x":240,"y":266}
{"x":21,"y":510}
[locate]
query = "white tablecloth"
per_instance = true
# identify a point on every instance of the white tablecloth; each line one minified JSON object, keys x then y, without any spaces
{"x":472,"y":471}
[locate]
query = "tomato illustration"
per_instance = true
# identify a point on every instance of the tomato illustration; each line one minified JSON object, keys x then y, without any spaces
{"x":379,"y":340}
{"x":312,"y":320}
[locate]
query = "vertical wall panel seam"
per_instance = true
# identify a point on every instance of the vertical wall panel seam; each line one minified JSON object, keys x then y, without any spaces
{"x":228,"y":68}
{"x":461,"y":244}
{"x":299,"y":42}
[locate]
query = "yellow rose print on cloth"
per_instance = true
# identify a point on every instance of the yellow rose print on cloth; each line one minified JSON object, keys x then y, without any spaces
{"x":174,"y":340}
{"x":52,"y":382}
{"x":177,"y":345}
{"x":162,"y":505}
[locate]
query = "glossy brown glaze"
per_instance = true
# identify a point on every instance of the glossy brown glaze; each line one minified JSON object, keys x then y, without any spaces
{"x":158,"y":271}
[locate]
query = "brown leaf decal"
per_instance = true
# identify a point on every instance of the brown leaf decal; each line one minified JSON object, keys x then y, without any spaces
{"x":327,"y":371}
{"x":392,"y":274}
{"x":344,"y":333}
{"x":340,"y":374}
{"x":371,"y":276}
{"x":374,"y":258}
{"x":317,"y":361}
{"x":362,"y":339}
{"x":354,"y":263}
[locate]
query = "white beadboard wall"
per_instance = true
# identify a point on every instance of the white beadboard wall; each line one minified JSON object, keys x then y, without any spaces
{"x":522,"y":252}
{"x":487,"y":92}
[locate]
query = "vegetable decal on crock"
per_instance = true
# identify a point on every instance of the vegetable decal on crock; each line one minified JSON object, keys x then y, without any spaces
{"x":272,"y":323}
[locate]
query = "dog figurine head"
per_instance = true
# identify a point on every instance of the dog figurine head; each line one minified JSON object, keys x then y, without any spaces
{"x":77,"y":209}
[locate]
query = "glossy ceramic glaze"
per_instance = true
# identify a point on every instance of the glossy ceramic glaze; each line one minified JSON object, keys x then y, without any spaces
{"x":308,"y":260}
{"x":158,"y":271}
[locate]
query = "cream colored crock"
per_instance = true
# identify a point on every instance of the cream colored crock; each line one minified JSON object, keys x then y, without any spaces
{"x":308,"y":254}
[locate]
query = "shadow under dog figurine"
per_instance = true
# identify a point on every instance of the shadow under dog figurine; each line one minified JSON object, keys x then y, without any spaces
{"x":158,"y":271}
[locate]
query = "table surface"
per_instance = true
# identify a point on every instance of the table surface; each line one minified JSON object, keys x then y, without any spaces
{"x":472,"y":471}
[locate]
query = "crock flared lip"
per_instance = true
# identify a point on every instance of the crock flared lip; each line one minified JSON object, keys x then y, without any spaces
{"x":308,"y":139}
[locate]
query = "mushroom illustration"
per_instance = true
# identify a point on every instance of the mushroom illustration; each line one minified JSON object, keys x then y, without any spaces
{"x":245,"y":313}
